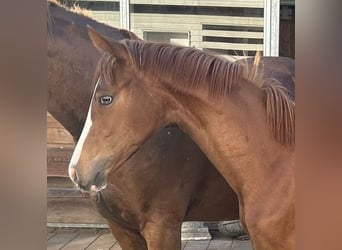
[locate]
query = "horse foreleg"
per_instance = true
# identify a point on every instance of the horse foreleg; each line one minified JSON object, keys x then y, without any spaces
{"x":269,"y":232}
{"x":159,"y":235}
{"x":128,"y":239}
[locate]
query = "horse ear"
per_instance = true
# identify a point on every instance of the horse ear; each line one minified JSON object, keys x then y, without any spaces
{"x":129,"y":35}
{"x":104,"y":44}
{"x":99,"y":41}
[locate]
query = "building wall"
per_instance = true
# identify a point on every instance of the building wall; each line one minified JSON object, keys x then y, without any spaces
{"x":231,"y":27}
{"x":228,"y":27}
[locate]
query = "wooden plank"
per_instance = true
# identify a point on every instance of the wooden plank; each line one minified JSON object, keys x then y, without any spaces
{"x":140,"y":19}
{"x":237,"y":34}
{"x":50,"y":232}
{"x":84,"y":239}
{"x":56,"y":133}
{"x":58,"y":160}
{"x":230,"y":3}
{"x":217,"y":3}
{"x":66,"y":192}
{"x":62,"y":237}
{"x":219,"y":245}
{"x":72,"y":209}
{"x":220,"y":242}
{"x":116,"y":246}
{"x":52,"y":122}
{"x":184,"y":243}
{"x":233,"y":46}
{"x":95,"y":239}
{"x":242,"y":245}
{"x":59,"y":182}
{"x":197,"y":245}
{"x":104,"y":241}
{"x":59,"y":136}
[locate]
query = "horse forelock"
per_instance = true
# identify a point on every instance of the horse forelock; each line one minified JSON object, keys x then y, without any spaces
{"x":106,"y":67}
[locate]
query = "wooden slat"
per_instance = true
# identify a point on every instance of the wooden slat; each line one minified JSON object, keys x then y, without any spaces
{"x":232,"y":46}
{"x":242,"y":245}
{"x":52,"y":122}
{"x":105,"y":241}
{"x":237,"y":34}
{"x":197,"y":245}
{"x":59,"y":182}
{"x":56,"y":133}
{"x":72,"y":209}
{"x":59,"y":136}
{"x":61,"y":238}
{"x":159,"y":20}
{"x":220,"y":245}
{"x":95,"y":239}
{"x":116,"y":246}
{"x":228,"y":3}
{"x":84,"y":239}
{"x":58,"y":160}
{"x":66,"y":193}
{"x":51,"y":232}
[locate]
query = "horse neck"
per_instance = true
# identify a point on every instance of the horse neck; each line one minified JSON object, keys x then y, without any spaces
{"x":232,"y":132}
{"x":71,"y":63}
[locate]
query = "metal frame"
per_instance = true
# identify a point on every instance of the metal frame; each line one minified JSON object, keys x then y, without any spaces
{"x":271,"y":27}
{"x":125,"y":14}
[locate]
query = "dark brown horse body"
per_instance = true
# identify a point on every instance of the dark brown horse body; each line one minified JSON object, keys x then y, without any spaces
{"x":169,"y":180}
{"x":71,"y":62}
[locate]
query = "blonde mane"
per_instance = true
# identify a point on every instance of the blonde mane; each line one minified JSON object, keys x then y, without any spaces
{"x":280,"y":108}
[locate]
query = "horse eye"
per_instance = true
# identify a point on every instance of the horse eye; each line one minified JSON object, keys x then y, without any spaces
{"x":106,"y":99}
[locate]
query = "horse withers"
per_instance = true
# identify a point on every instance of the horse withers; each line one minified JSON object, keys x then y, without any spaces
{"x":242,"y":122}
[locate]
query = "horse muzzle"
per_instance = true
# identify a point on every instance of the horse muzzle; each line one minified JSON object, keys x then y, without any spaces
{"x":93,"y":181}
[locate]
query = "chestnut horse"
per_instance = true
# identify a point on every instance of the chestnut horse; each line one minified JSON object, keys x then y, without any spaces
{"x":243,"y":122}
{"x":69,"y":95}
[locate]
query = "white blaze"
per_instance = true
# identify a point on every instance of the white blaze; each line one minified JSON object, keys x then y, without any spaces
{"x":78,"y":149}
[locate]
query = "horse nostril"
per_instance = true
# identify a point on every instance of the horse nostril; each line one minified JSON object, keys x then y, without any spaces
{"x":73,"y":175}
